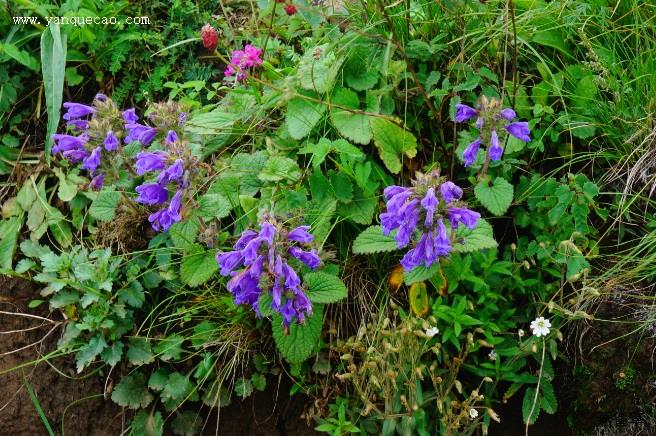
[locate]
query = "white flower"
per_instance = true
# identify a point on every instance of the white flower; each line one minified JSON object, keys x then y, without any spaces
{"x":540,"y":326}
{"x":520,"y":333}
{"x":492,"y":356}
{"x":432,"y":332}
{"x":473,"y":413}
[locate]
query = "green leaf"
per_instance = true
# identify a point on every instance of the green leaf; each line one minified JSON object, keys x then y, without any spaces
{"x":324,"y":288}
{"x":393,"y":143}
{"x":259,"y":381}
{"x":198,"y":265}
{"x":88,"y":353}
{"x":187,"y":423}
{"x":302,"y":339}
{"x":361,"y":209}
{"x":177,"y":388}
{"x":67,"y":190}
{"x":528,"y":405}
{"x":421,"y":273}
{"x":372,"y":240}
{"x":183,"y":234}
{"x":112,"y":354}
{"x":214,"y":205}
{"x":243,"y":387}
{"x":9,"y":230}
{"x":353,"y":126}
{"x":132,"y":392}
{"x":103,"y":208}
{"x":496,"y":197}
{"x":170,"y":348}
{"x":158,"y":379}
{"x":549,"y":402}
{"x":318,"y":68}
{"x":279,"y":168}
{"x":480,"y":238}
{"x":302,"y":115}
{"x":53,"y":66}
{"x":147,"y":424}
{"x":319,"y":151}
{"x":139,"y":352}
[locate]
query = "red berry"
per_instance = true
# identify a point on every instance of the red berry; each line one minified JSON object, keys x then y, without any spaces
{"x":210,"y":37}
{"x":290,"y":9}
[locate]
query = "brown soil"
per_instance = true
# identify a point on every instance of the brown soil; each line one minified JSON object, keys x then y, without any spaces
{"x":64,"y":398}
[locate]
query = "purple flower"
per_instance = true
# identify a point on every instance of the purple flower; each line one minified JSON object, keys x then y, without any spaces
{"x":471,"y":152}
{"x":151,"y":194}
{"x":495,"y":149}
{"x":479,"y":123}
{"x":508,"y":114}
{"x":268,"y":232}
{"x":75,"y":155}
{"x":429,"y":203}
{"x":77,"y":110}
{"x":111,"y":142}
{"x":162,"y":220}
{"x":229,"y":261}
{"x":151,"y":161}
{"x":519,"y":130}
{"x":450,"y":191}
{"x":130,"y":116}
{"x":97,"y":182}
{"x":462,"y":215}
{"x":175,"y":205}
{"x":241,"y":60}
{"x":171,"y":174}
{"x":392,"y":190}
{"x":100,"y":97}
{"x":409,"y":214}
{"x":310,"y":258}
{"x":171,"y":137}
{"x":182,"y":118}
{"x":464,"y":113}
{"x":141,"y":133}
{"x":246,"y":237}
{"x":92,"y":162}
{"x":68,"y":142}
{"x":442,"y":242}
{"x":300,"y":234}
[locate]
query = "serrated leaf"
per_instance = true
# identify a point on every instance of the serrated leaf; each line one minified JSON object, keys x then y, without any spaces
{"x":393,"y":143}
{"x":198,"y":265}
{"x":318,"y":68}
{"x":372,"y":240}
{"x":243,"y":387}
{"x":112,"y":355}
{"x":496,"y":197}
{"x":279,"y":168}
{"x":183,"y":234}
{"x":170,"y":348}
{"x":302,"y":115}
{"x":139,"y":352}
{"x":187,"y":423}
{"x":302,"y":339}
{"x":259,"y":381}
{"x":88,"y":353}
{"x":324,"y":288}
{"x":9,"y":230}
{"x":529,"y":403}
{"x":549,"y":402}
{"x":214,"y":205}
{"x":103,"y":208}
{"x":147,"y":424}
{"x":480,"y":238}
{"x":132,"y":392}
{"x":158,"y":379}
{"x":177,"y":388}
{"x":351,"y":125}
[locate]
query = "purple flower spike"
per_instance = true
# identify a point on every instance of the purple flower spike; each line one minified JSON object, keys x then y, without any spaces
{"x":450,"y":191}
{"x":172,"y":174}
{"x":508,"y":114}
{"x":77,"y":110}
{"x":97,"y":182}
{"x":151,"y":194}
{"x":300,"y":234}
{"x":429,"y":203}
{"x":519,"y":130}
{"x":92,"y":162}
{"x":151,"y":161}
{"x":462,"y":215}
{"x":111,"y":142}
{"x":495,"y":149}
{"x":310,"y":258}
{"x":171,"y":137}
{"x":464,"y":113}
{"x":130,"y":116}
{"x":470,"y":153}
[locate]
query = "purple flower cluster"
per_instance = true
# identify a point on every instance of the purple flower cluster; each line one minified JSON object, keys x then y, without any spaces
{"x":242,"y":60}
{"x":89,"y":145}
{"x":489,"y":119}
{"x":261,"y":259}
{"x":420,"y":211}
{"x":169,"y":167}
